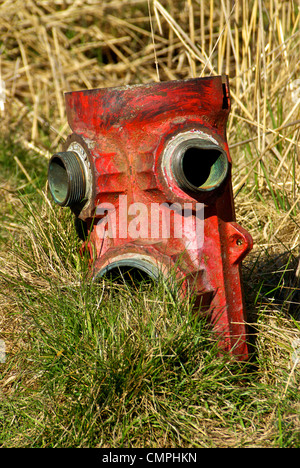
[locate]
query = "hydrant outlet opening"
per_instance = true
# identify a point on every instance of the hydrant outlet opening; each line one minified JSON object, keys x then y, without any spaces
{"x":199,"y":167}
{"x":137,"y":272}
{"x":128,"y":275}
{"x":130,"y":271}
{"x":66,"y":177}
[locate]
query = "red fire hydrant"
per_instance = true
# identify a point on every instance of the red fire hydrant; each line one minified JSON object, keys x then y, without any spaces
{"x":148,"y":169}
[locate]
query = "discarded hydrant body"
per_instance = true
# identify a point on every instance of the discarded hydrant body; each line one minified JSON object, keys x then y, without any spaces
{"x":147,"y":167}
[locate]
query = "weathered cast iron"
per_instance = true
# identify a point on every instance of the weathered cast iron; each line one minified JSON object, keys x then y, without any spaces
{"x":137,"y":156}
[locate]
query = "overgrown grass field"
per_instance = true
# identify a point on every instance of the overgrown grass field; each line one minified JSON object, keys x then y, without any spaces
{"x":102,"y":365}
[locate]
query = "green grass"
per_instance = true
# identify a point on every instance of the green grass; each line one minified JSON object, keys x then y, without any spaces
{"x":23,"y":174}
{"x":105,"y":365}
{"x":14,"y":159}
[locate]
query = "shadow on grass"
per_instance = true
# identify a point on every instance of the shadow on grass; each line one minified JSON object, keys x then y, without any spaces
{"x":272,"y":281}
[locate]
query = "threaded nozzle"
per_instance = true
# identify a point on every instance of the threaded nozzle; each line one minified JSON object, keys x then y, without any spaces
{"x":66,"y":177}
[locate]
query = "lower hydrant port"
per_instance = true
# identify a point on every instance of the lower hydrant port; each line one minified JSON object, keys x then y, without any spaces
{"x":137,"y":267}
{"x":66,"y":178}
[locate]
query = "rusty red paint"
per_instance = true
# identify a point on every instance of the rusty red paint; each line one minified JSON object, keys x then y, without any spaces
{"x":125,"y":132}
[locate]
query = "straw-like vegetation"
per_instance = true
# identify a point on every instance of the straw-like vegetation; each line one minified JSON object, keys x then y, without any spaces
{"x":91,"y":366}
